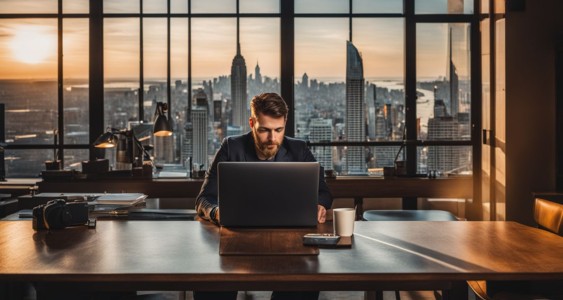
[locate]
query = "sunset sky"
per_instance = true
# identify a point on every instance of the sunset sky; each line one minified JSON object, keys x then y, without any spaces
{"x":28,"y":47}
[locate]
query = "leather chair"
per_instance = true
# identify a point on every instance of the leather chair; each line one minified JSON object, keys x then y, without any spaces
{"x":548,"y":215}
{"x":407,"y":215}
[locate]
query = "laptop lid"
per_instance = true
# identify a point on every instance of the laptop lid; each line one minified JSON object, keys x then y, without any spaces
{"x":268,"y":194}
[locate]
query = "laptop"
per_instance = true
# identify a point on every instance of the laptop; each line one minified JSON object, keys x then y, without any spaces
{"x":268,"y":194}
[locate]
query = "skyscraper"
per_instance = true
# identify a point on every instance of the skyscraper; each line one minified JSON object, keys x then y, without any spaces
{"x":355,"y":124}
{"x":200,"y":120}
{"x":257,"y":74}
{"x":321,"y":131}
{"x":305,"y":82}
{"x":238,"y":90}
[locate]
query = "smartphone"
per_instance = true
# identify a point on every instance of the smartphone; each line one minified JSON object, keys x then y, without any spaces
{"x":320,"y":239}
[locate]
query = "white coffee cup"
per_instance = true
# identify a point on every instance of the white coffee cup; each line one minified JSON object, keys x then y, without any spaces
{"x":343,"y":221}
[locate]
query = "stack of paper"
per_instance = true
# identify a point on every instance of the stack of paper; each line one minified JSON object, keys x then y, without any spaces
{"x":122,"y":199}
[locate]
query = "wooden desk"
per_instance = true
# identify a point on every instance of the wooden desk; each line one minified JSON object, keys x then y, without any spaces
{"x":183,"y":255}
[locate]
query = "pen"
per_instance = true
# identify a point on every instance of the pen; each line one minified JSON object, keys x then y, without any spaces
{"x":120,"y":212}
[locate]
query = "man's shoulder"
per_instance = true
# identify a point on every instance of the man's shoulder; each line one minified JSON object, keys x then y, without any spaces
{"x":237,"y":145}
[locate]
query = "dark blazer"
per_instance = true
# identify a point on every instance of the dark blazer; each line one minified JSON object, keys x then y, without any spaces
{"x":241,"y":148}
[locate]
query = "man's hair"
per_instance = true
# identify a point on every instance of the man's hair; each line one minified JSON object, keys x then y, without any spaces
{"x":269,"y":104}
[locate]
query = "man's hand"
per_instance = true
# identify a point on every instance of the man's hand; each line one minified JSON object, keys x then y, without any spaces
{"x":321,"y":213}
{"x":214,"y":215}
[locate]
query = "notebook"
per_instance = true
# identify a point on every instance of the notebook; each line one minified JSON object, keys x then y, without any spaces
{"x":268,"y":194}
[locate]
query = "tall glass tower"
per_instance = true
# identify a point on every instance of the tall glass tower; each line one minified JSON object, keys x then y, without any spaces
{"x":200,"y":121}
{"x":355,"y":124}
{"x":238,"y":90}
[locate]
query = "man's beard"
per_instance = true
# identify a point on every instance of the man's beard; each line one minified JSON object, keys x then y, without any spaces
{"x":263,"y":149}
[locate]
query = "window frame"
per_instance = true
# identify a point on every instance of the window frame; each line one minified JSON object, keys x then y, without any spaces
{"x":287,"y":17}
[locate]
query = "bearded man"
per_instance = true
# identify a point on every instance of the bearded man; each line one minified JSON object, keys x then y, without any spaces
{"x":266,"y":141}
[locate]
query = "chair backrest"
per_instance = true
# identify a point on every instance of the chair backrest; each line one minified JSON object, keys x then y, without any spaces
{"x":549,"y":215}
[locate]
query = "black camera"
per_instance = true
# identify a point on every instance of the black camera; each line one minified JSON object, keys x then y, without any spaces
{"x":58,"y":214}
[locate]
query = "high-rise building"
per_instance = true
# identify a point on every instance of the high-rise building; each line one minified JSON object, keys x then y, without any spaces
{"x":187,"y":139}
{"x":238,"y":90}
{"x":355,"y":124}
{"x":443,"y":127}
{"x":381,"y":128}
{"x":321,"y":131}
{"x":305,"y":82}
{"x":257,"y":74}
{"x":454,"y":80}
{"x":200,"y":121}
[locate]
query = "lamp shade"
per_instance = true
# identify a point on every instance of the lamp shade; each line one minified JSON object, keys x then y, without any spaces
{"x":161,"y":125}
{"x":107,"y":140}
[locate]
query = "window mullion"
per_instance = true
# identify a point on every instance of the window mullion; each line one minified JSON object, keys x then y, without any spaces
{"x":410,"y":85}
{"x":287,"y":61}
{"x":96,"y":75}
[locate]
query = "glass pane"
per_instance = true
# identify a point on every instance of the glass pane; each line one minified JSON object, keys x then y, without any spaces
{"x":121,"y":6}
{"x":500,"y":119}
{"x":155,"y":7}
{"x":74,"y":157}
{"x":179,"y":76}
{"x":121,"y":71}
{"x":334,"y":157}
{"x":377,"y":6}
{"x":500,"y":6}
{"x":443,"y":6}
{"x":261,"y":42}
{"x":445,"y":160}
{"x":485,"y":8}
{"x":211,"y":85}
{"x":329,"y":85}
{"x":214,"y":6}
{"x":28,"y":79}
{"x":154,"y":58}
{"x":76,"y":6}
{"x":380,"y":42}
{"x":322,"y":6}
{"x":28,"y":6}
{"x":379,"y":157}
{"x":26,"y":163}
{"x":225,"y":78}
{"x":443,"y":82}
{"x":75,"y":82}
{"x":179,"y":6}
{"x":485,"y":117}
{"x":259,"y":6}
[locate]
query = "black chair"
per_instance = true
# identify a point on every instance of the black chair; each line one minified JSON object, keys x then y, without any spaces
{"x":548,"y":215}
{"x":407,"y":215}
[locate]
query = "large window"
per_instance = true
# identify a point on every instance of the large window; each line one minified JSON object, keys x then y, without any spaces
{"x":370,"y":82}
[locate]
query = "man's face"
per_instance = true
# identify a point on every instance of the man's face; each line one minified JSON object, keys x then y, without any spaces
{"x":268,"y":134}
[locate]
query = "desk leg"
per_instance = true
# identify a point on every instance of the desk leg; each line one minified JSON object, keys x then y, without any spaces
{"x":359,"y":205}
{"x":459,"y":291}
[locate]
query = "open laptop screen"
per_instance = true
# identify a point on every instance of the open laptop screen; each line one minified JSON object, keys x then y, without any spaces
{"x":268,"y":194}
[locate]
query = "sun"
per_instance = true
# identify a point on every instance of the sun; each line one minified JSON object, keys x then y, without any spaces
{"x":33,"y":44}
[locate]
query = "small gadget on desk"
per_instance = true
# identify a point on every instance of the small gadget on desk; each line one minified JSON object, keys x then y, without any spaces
{"x":320,"y":239}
